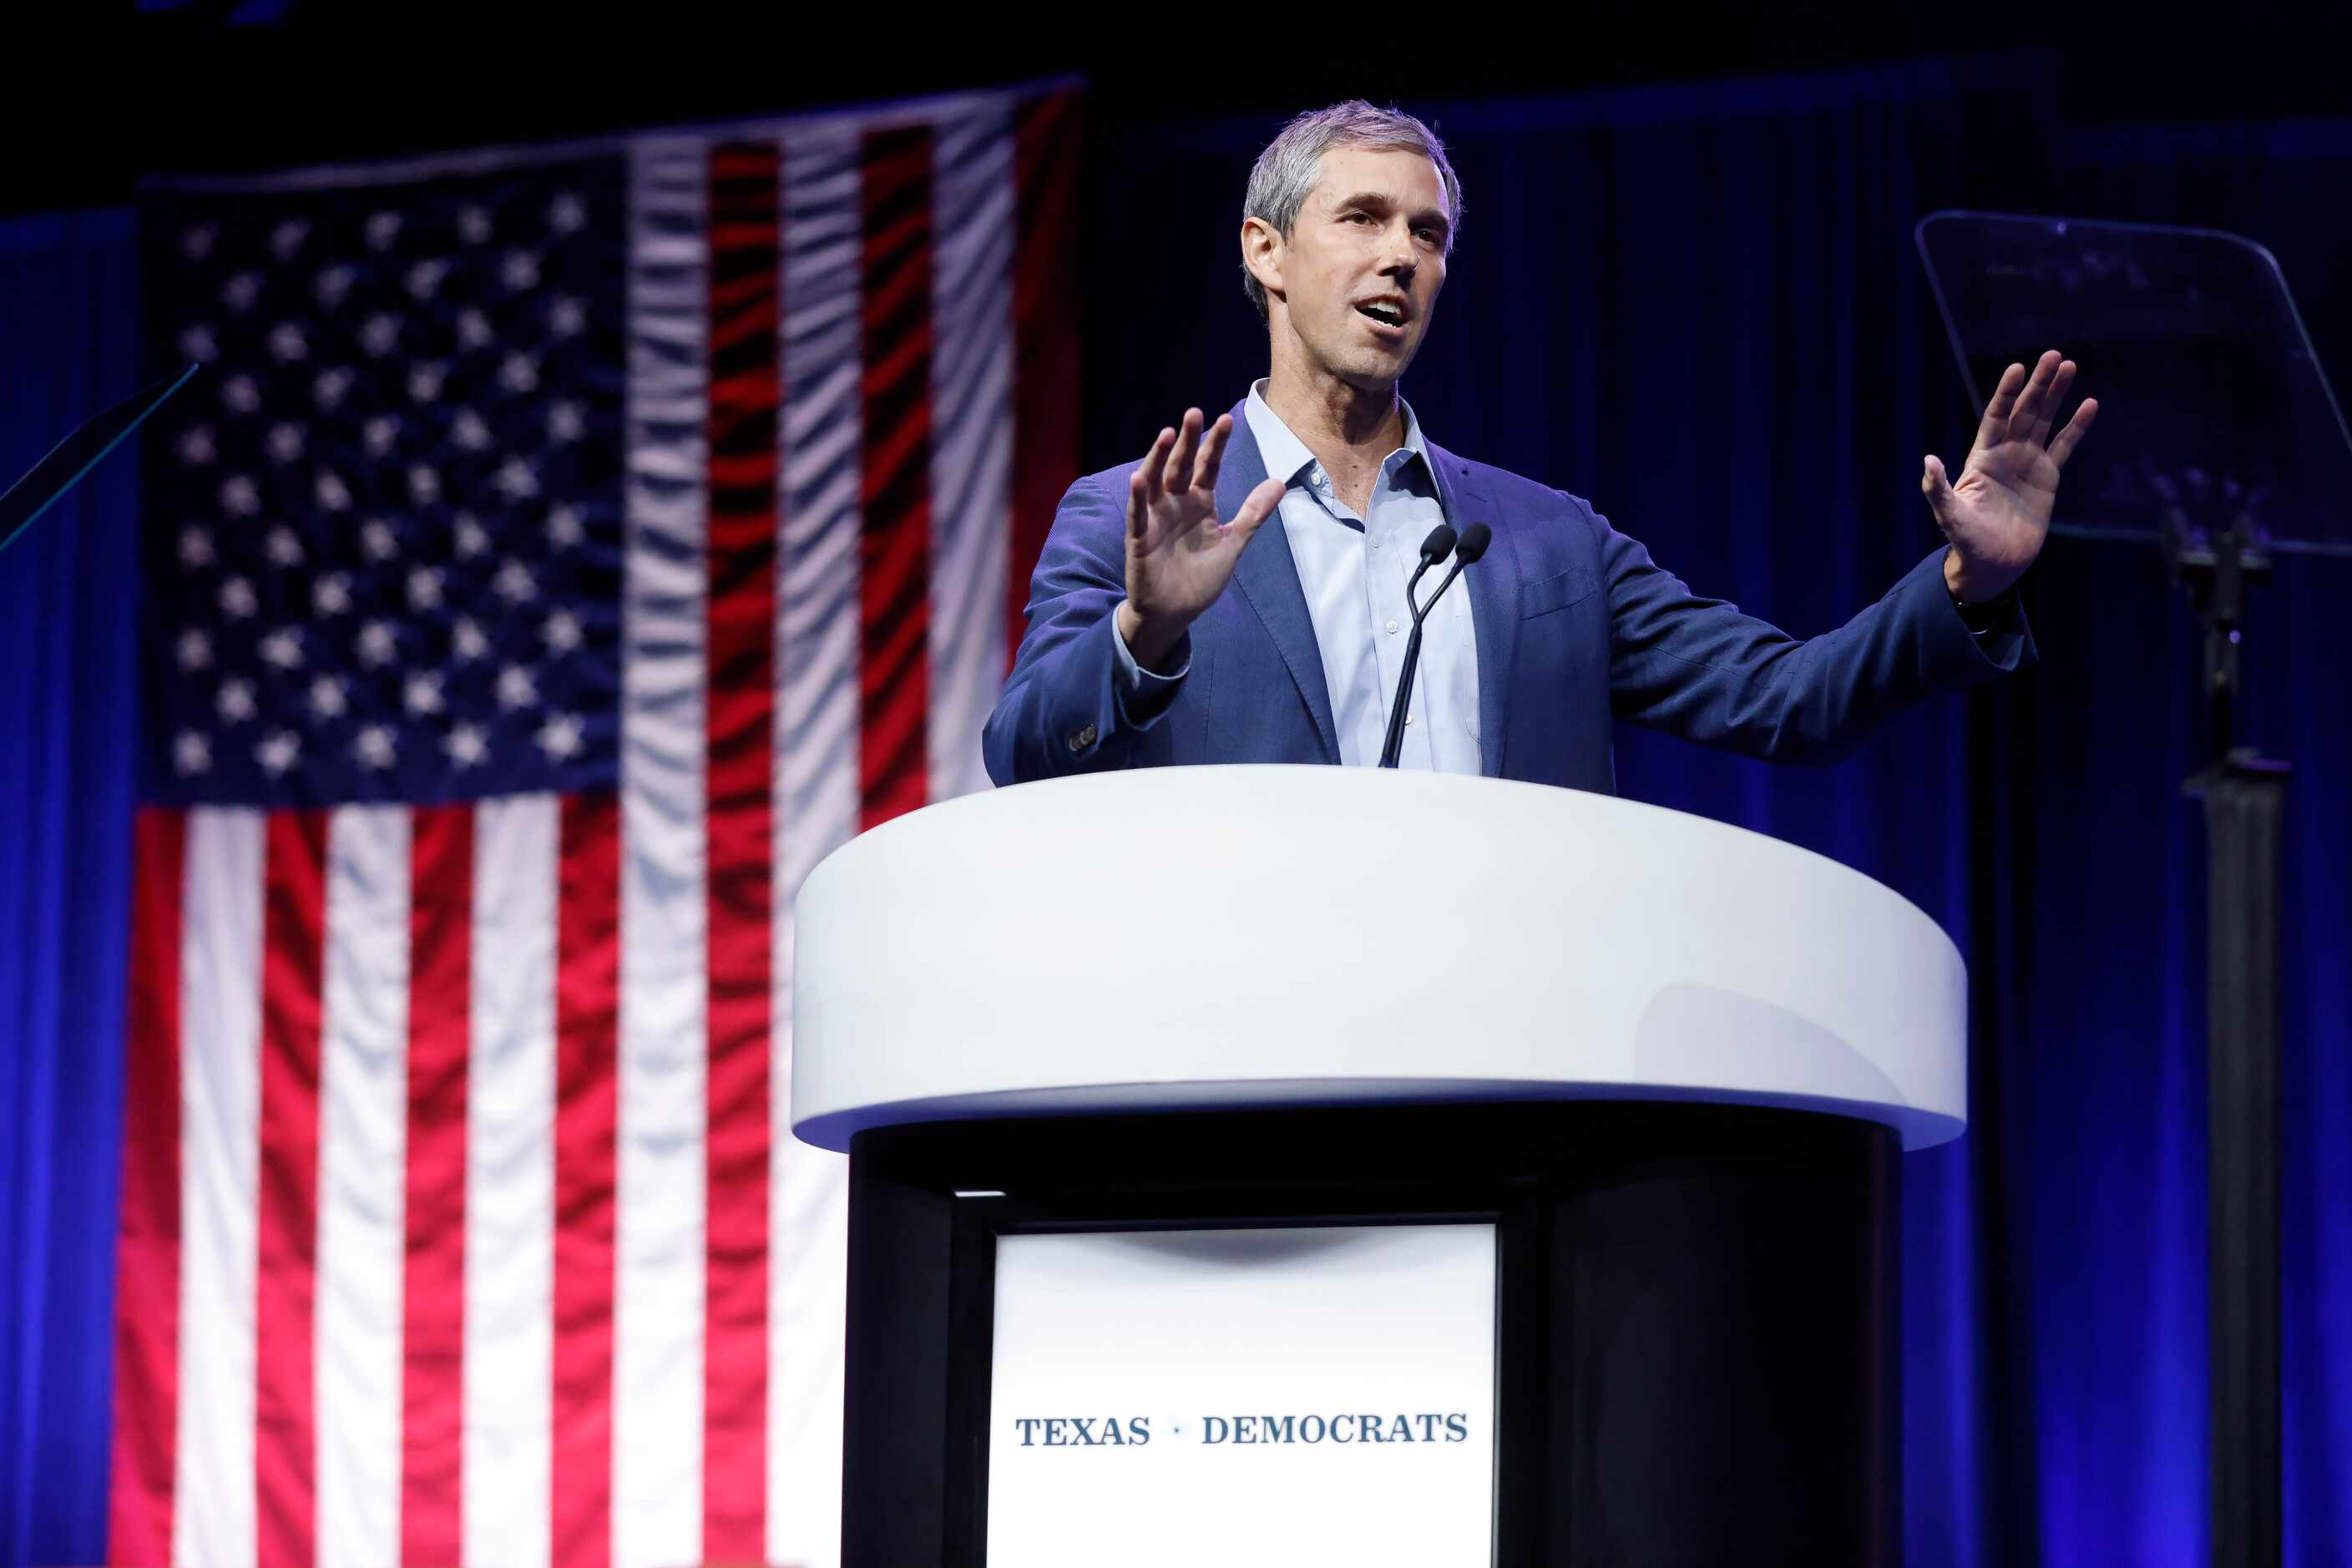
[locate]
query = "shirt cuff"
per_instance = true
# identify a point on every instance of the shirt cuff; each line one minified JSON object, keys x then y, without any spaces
{"x":1143,"y":692}
{"x":1991,"y":615}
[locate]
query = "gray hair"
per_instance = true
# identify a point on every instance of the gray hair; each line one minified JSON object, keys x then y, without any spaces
{"x":1286,"y":170}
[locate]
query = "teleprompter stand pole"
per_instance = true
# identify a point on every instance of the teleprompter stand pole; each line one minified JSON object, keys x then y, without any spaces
{"x":2245,"y":799}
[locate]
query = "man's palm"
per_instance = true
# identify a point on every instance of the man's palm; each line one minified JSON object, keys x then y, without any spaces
{"x":1998,"y":514}
{"x":1179,"y":557}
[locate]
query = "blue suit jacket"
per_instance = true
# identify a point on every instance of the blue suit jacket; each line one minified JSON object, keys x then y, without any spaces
{"x":1576,"y":627}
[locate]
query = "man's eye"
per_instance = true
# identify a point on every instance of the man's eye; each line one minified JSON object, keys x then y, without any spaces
{"x":1360,"y":218}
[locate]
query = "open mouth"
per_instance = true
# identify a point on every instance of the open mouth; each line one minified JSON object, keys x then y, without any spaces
{"x":1388,"y":316}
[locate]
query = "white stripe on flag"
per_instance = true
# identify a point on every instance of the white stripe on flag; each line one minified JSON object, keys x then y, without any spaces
{"x":362,"y":1166}
{"x":511,"y":1184}
{"x":808,"y":1278}
{"x":220,"y":1158}
{"x":816,"y":795}
{"x":971,"y":437}
{"x":658,"y":1306}
{"x":816,"y":730}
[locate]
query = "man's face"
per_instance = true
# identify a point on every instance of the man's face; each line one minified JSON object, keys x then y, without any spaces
{"x":1361,"y":271}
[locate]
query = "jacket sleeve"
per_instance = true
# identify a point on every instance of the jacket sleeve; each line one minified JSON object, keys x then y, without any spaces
{"x":1075,"y":703}
{"x":1700,"y":668}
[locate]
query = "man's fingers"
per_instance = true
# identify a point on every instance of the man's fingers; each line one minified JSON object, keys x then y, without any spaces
{"x":1256,"y":508}
{"x":2046,"y":414}
{"x":1213,"y":454}
{"x":2071,"y":436}
{"x":1178,"y":479}
{"x":2032,"y":401}
{"x":1138,"y":502}
{"x":2004,"y":398}
{"x":1154,"y":463}
{"x":1936,"y":489}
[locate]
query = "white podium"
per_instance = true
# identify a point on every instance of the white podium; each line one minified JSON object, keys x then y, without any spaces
{"x":1672,"y":1063}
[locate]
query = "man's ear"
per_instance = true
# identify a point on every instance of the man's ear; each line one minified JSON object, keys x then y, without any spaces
{"x":1262,"y":253}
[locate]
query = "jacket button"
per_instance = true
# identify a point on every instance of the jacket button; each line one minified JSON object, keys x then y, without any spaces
{"x":1083,"y":739}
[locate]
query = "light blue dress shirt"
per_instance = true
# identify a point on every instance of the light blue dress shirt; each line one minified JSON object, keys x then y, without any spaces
{"x":1353,"y":571}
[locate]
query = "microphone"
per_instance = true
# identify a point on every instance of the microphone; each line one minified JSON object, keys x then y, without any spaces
{"x":1434,"y":549}
{"x":1465,"y":548}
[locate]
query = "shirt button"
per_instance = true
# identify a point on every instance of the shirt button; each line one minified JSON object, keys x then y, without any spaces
{"x":1392,"y":629}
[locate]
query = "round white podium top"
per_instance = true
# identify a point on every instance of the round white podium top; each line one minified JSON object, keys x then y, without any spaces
{"x":1224,"y":938}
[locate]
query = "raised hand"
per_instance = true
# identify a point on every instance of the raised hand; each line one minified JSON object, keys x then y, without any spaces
{"x":1997,"y":513}
{"x":1178,"y":556}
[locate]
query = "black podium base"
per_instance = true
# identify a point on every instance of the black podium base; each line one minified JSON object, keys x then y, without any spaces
{"x":1696,"y":1351}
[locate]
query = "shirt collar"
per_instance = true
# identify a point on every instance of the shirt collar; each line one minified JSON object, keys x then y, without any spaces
{"x":1286,"y":457}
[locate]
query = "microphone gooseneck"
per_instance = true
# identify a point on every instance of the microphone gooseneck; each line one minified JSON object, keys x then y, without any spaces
{"x":1465,"y":549}
{"x":1434,"y":549}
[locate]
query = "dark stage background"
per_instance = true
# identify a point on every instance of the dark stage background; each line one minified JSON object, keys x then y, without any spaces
{"x":1696,"y":303}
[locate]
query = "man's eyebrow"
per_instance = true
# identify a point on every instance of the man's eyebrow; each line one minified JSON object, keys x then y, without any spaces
{"x":1373,"y":201}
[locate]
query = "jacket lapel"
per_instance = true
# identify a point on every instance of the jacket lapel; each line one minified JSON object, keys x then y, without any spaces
{"x":1268,"y":577}
{"x":1493,"y":585}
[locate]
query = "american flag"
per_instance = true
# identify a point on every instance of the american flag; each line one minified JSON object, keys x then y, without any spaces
{"x":562,"y":551}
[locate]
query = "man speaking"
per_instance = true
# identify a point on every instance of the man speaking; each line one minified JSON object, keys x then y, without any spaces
{"x":1158,"y":633}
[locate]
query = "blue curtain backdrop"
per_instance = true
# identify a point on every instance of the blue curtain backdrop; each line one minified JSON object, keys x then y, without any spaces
{"x":1700,"y":308}
{"x":69,"y":344}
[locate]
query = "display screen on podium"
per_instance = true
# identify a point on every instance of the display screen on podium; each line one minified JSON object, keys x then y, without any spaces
{"x":1315,"y":1394}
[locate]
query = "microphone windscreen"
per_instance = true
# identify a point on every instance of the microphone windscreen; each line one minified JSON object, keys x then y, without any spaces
{"x":1438,"y":545}
{"x":1475,"y":539}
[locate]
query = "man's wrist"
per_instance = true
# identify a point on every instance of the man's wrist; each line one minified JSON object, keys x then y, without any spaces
{"x":1153,"y":643}
{"x":1967,"y":589}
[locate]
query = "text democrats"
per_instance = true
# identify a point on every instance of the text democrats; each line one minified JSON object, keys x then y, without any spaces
{"x":1135,"y":1431}
{"x":1422,"y":1428}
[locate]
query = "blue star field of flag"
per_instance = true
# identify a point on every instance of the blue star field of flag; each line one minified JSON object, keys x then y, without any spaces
{"x":384,"y":522}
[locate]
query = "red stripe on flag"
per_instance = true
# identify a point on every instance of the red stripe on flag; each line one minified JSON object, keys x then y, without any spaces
{"x":587,"y":1108}
{"x":1045,"y":331}
{"x":739,"y":713}
{"x":147,"y":1250}
{"x":895,"y":538}
{"x":285,"y":1402}
{"x":433,"y":1340}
